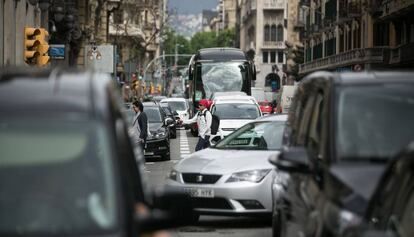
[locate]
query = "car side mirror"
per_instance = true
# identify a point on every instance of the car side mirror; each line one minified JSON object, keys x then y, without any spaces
{"x":295,"y":160}
{"x":169,"y":210}
{"x":168,"y":122}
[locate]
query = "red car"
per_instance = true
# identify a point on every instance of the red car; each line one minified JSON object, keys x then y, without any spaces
{"x":265,"y":107}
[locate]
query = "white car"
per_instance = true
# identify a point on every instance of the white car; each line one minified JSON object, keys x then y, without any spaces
{"x":234,"y":177}
{"x":234,"y":112}
{"x":180,"y":105}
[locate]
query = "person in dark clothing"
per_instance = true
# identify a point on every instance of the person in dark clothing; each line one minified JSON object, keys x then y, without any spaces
{"x":140,"y":123}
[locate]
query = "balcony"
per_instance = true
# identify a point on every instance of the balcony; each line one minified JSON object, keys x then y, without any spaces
{"x":392,"y":6}
{"x":273,"y":44}
{"x":356,"y":56}
{"x":349,"y":9}
{"x":402,"y":54}
{"x":274,"y":4}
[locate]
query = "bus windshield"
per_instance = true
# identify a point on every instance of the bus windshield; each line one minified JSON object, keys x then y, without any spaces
{"x":218,"y":77}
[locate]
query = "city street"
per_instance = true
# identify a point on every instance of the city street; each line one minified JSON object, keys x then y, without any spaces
{"x":212,"y":226}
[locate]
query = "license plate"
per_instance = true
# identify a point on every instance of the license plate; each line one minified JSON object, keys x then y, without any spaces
{"x":199,"y":192}
{"x":149,"y":153}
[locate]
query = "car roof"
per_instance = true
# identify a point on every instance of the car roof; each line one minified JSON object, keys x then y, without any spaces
{"x":235,"y":99}
{"x":173,"y":99}
{"x":44,"y":92}
{"x":150,"y":104}
{"x":227,"y":93}
{"x":365,"y":77}
{"x":220,"y":54}
{"x":271,"y":117}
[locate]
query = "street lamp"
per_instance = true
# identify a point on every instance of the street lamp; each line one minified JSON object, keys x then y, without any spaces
{"x":176,"y":54}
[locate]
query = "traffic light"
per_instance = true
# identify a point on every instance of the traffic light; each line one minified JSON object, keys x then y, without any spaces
{"x":36,"y":46}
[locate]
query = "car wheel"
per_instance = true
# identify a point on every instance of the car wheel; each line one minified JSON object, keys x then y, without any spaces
{"x":278,"y":224}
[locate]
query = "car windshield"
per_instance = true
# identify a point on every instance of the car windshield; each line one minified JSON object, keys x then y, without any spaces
{"x":236,"y":111}
{"x":56,"y":178}
{"x":374,"y":122}
{"x":220,"y":76}
{"x":177,"y":105}
{"x":255,"y":136}
{"x":153,"y":114}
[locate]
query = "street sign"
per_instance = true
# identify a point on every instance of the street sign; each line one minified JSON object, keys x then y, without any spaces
{"x":100,"y":57}
{"x":57,"y":51}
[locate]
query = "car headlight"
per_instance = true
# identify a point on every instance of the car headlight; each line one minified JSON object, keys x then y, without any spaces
{"x":254,"y":176}
{"x":160,"y":134}
{"x":173,"y":175}
{"x":339,"y":220}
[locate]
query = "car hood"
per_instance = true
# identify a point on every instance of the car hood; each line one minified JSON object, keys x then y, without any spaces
{"x":218,"y":161}
{"x":233,"y":123}
{"x":154,"y":126}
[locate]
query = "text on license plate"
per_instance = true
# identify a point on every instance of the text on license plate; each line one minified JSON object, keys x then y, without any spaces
{"x":199,"y":192}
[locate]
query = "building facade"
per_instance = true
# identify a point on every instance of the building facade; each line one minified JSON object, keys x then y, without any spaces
{"x":15,"y":16}
{"x":263,"y":29}
{"x":354,"y":35}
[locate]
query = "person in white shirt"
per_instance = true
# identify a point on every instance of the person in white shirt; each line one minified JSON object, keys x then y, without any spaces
{"x":203,"y":119}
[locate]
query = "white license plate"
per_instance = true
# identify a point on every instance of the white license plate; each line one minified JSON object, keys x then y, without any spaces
{"x":149,"y":153}
{"x":199,"y":192}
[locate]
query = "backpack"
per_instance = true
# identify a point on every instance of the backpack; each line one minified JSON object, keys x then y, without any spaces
{"x":215,"y":123}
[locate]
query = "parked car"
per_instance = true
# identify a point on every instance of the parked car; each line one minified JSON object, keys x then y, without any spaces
{"x":172,"y":115}
{"x":234,"y":176}
{"x":158,"y":141}
{"x":234,"y":112}
{"x":67,"y":164}
{"x":337,"y":143}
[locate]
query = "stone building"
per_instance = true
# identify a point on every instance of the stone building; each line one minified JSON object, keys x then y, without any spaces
{"x":263,"y":29}
{"x":15,"y":16}
{"x":354,"y":35}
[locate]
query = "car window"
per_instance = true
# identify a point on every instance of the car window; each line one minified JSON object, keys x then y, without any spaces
{"x":255,"y":136}
{"x":375,"y":121}
{"x":236,"y":111}
{"x":153,"y":114}
{"x":177,"y":105}
{"x":304,"y":121}
{"x":58,"y":177}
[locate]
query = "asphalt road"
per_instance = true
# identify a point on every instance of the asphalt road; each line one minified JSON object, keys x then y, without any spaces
{"x":210,"y":226}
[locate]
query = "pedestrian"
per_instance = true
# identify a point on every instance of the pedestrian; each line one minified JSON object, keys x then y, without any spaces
{"x":139,"y":124}
{"x":203,"y":119}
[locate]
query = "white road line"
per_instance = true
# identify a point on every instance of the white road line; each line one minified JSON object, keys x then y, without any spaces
{"x":184,"y":146}
{"x":149,"y":163}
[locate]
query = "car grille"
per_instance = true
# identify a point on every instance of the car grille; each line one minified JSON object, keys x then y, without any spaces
{"x":196,"y":178}
{"x":213,"y":203}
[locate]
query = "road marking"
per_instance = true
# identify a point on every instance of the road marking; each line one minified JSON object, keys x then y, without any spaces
{"x":184,"y":146}
{"x":149,"y":163}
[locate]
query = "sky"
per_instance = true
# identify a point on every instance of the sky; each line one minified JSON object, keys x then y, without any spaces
{"x":191,"y":6}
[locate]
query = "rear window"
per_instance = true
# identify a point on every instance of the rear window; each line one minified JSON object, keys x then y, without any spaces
{"x":375,"y":122}
{"x":236,"y":111}
{"x":55,"y":178}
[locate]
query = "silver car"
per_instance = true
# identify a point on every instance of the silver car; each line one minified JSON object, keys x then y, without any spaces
{"x":234,"y":177}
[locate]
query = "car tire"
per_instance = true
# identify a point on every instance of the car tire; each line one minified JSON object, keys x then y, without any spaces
{"x":278,"y":224}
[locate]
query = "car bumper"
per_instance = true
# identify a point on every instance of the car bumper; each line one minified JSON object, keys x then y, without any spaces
{"x":234,"y":199}
{"x":157,"y":147}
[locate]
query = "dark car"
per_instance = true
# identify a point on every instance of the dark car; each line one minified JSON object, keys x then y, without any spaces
{"x":391,"y":210}
{"x":158,"y":141}
{"x":172,"y":115}
{"x":342,"y":130}
{"x":67,"y":164}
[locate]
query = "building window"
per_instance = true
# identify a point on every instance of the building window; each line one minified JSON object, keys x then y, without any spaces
{"x":273,"y":57}
{"x":118,"y":17}
{"x":280,"y":57}
{"x":273,"y":34}
{"x":265,"y":57}
{"x":267,"y":33}
{"x":279,"y":33}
